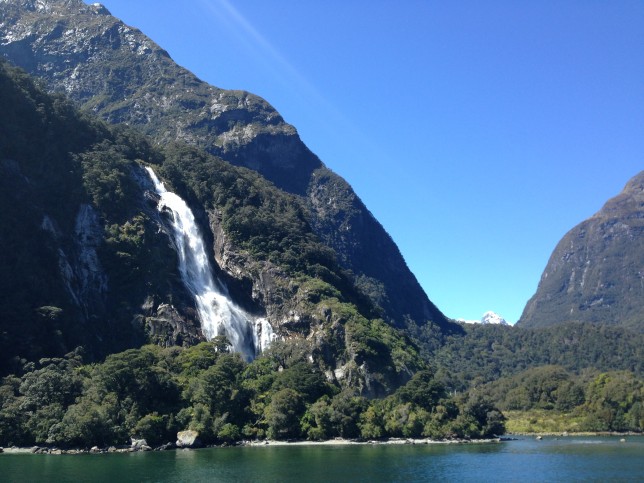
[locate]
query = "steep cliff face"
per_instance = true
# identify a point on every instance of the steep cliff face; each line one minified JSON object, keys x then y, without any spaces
{"x":344,"y":223}
{"x":68,"y":277}
{"x":87,"y":258}
{"x":116,"y":72}
{"x":596,"y":272}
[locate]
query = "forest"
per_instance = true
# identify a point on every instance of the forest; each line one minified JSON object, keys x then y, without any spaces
{"x":153,"y":392}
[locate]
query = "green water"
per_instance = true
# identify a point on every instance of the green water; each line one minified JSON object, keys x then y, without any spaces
{"x":565,"y":459}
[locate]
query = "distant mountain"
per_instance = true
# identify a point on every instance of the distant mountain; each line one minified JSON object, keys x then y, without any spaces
{"x":489,"y":317}
{"x":493,"y":318}
{"x":116,"y":72}
{"x":596,"y":272}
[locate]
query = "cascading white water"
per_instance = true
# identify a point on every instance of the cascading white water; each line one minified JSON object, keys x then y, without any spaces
{"x":218,"y":314}
{"x":263,"y":334}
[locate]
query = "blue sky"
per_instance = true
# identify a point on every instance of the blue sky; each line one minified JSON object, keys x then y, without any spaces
{"x":478,"y":133}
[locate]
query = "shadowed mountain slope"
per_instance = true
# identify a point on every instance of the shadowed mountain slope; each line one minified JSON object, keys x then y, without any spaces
{"x":596,"y":272}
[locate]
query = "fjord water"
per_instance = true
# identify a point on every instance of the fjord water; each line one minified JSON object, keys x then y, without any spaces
{"x":527,"y":460}
{"x":218,"y":314}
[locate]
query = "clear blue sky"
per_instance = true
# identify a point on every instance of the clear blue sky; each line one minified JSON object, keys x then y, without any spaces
{"x":478,"y":133}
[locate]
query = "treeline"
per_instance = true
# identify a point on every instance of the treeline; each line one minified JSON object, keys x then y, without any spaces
{"x":154,"y":392}
{"x":485,"y":353}
{"x":606,"y":401}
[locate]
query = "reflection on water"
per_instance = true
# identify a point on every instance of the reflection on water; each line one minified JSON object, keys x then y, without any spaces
{"x":565,"y":459}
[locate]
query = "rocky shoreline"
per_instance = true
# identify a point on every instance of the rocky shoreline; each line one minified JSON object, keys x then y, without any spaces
{"x":391,"y":441}
{"x":141,"y":446}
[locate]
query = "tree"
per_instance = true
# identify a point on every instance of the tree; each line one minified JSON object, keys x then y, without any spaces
{"x":316,"y":422}
{"x":283,"y":414}
{"x":195,"y":359}
{"x":423,"y":390}
{"x":344,"y":415}
{"x":12,"y":418}
{"x":218,"y":388}
{"x":613,"y":402}
{"x":136,"y":380}
{"x":46,"y":394}
{"x":371,"y":423}
{"x":155,"y":429}
{"x":482,"y":418}
{"x":304,"y":378}
{"x":88,"y":423}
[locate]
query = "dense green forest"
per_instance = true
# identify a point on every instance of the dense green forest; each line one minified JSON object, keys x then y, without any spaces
{"x":569,"y":377}
{"x":590,"y":401}
{"x":485,"y":353}
{"x":153,"y":392}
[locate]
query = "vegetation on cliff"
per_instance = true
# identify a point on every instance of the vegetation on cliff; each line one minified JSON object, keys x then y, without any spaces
{"x":569,"y":377}
{"x":118,"y":74}
{"x":85,"y":260}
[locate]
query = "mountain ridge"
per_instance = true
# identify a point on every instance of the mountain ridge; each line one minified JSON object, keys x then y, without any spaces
{"x":116,"y":72}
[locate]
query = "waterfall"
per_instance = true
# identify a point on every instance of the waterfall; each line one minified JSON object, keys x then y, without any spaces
{"x":218,"y":314}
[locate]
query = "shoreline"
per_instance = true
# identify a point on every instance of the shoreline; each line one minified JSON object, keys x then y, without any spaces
{"x":576,"y":433}
{"x":390,"y":441}
{"x":46,"y":450}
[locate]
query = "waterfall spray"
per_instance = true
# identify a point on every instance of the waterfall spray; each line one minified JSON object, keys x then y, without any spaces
{"x":218,"y":313}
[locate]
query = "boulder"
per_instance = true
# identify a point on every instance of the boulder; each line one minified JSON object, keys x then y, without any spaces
{"x":188,"y":439}
{"x":138,"y":444}
{"x":164,"y":447}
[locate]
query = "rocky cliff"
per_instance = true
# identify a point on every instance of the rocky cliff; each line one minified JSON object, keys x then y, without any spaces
{"x":596,"y":272}
{"x":86,"y":257}
{"x":115,"y":71}
{"x":73,"y":250}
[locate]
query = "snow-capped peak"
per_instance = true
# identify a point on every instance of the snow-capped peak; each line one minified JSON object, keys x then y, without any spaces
{"x":489,"y":317}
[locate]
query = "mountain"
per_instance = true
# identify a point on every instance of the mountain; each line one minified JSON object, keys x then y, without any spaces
{"x":489,"y":317}
{"x":116,"y":72}
{"x":596,"y":272}
{"x":88,"y":258}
